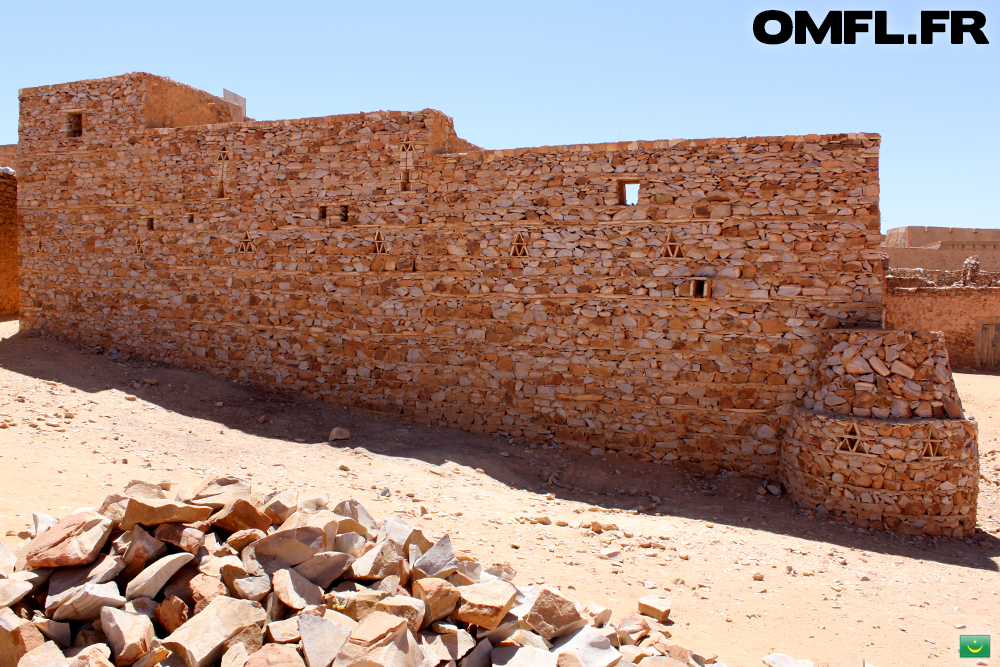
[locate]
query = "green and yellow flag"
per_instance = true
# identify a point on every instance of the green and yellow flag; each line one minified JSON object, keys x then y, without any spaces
{"x":974,"y":646}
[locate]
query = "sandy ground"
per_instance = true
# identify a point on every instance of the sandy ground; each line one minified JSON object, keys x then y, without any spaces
{"x":82,"y":425}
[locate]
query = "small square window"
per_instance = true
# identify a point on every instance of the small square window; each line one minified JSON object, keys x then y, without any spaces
{"x":701,"y":288}
{"x":343,"y":213}
{"x":75,"y":124}
{"x":322,"y":212}
{"x":150,"y":224}
{"x":628,"y":193}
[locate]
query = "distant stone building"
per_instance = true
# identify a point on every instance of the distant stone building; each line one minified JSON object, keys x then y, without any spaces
{"x":671,"y":300}
{"x":941,"y":248}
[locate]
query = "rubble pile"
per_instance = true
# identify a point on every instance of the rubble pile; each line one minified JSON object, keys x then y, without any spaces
{"x":225,"y":576}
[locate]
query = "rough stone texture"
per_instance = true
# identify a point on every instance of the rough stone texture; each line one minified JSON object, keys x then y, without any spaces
{"x":75,"y":540}
{"x":8,"y":156}
{"x":17,"y":637}
{"x":378,"y":260}
{"x":963,"y":314}
{"x":10,"y":293}
{"x":884,"y":453}
{"x":199,"y":641}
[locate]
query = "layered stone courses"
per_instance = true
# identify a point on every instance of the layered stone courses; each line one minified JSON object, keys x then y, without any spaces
{"x":9,"y":290}
{"x":881,"y":440}
{"x":593,"y":338}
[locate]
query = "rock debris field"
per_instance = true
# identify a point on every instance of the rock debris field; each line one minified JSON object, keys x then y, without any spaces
{"x":574,"y":557}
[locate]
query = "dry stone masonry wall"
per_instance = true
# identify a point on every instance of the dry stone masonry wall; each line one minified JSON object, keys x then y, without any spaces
{"x":379,"y":260}
{"x":9,"y":291}
{"x":882,"y":440}
{"x":672,"y":300}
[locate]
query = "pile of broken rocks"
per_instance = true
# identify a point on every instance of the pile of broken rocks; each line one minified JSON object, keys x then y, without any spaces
{"x":224,"y":576}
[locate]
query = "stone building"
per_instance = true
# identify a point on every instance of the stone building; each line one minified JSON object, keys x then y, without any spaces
{"x":9,"y":290}
{"x":673,"y":300}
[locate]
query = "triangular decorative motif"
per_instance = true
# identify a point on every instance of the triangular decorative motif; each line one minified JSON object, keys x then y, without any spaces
{"x":933,"y":445}
{"x":137,"y":246}
{"x":247,"y":244}
{"x":852,"y":441}
{"x":380,"y":244}
{"x":38,"y":246}
{"x":519,"y":248}
{"x":672,"y":249}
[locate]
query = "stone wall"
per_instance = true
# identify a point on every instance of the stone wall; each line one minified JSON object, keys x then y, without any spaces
{"x":881,"y":439}
{"x":9,"y":291}
{"x":8,"y":156}
{"x":960,"y":312}
{"x":380,"y":261}
{"x":941,"y":248}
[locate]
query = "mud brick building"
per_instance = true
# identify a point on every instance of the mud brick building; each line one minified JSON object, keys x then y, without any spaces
{"x":941,"y":248}
{"x":666,"y":299}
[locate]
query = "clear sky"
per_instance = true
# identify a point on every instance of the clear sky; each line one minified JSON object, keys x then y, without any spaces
{"x":532,"y":73}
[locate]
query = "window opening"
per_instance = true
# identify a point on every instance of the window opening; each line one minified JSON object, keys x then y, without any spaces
{"x":247,"y":244}
{"x":149,"y":224}
{"x":852,"y":441}
{"x":673,"y":249}
{"x":75,"y":128}
{"x":380,"y":245}
{"x":322,"y":212}
{"x":934,"y":445}
{"x":628,"y":193}
{"x":519,"y":247}
{"x":343,"y":214}
{"x":701,"y":288}
{"x":188,"y":219}
{"x":405,"y":181}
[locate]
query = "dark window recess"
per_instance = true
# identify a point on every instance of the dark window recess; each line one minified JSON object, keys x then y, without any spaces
{"x":343,"y":213}
{"x":322,"y":212}
{"x":628,"y":193}
{"x":406,"y":181}
{"x":75,"y":128}
{"x":701,"y":288}
{"x":188,"y":219}
{"x":150,"y":225}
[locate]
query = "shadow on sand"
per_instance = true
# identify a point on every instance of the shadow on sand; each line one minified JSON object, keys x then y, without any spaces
{"x":612,"y":482}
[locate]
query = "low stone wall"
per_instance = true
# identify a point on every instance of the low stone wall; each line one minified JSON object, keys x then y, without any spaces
{"x":960,"y":312}
{"x":9,"y":292}
{"x":881,"y":439}
{"x":891,"y":480}
{"x":8,"y":154}
{"x":882,"y":374}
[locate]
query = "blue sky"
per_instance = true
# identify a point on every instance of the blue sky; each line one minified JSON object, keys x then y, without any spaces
{"x":538,"y":73}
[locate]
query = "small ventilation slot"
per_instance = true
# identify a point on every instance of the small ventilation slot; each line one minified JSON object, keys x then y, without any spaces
{"x":220,"y":187}
{"x":150,"y":224}
{"x":519,"y":247}
{"x":343,"y":213}
{"x":322,"y":212}
{"x":380,"y":244}
{"x":852,"y":441}
{"x":672,"y":249}
{"x":247,"y":245}
{"x":405,"y":182}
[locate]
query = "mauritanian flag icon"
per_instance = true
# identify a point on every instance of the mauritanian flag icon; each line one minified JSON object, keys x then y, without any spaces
{"x":974,"y":646}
